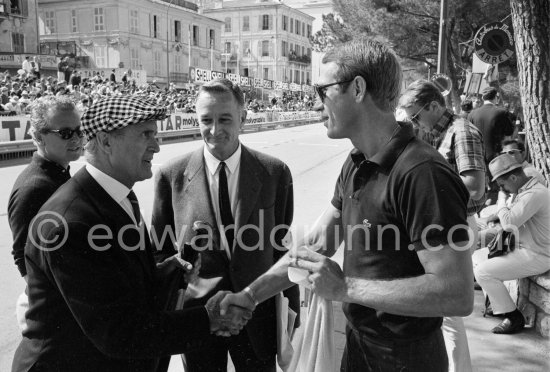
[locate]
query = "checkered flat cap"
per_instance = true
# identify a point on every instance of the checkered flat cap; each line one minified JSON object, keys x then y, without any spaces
{"x":113,"y":113}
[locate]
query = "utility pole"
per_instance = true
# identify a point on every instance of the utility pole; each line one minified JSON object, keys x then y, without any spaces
{"x":442,"y":51}
{"x":167,"y":45}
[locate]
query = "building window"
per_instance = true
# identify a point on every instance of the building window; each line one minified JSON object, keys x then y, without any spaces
{"x":227,"y":24}
{"x":100,"y":59}
{"x":266,"y":73}
{"x":303,"y":51}
{"x":296,"y":76}
{"x":291,"y":25}
{"x":195,"y":35}
{"x":177,"y":63}
{"x":303,"y":29}
{"x":99,"y":20}
{"x":308,"y":31}
{"x":49,"y":21}
{"x":134,"y":21}
{"x":265,"y":48}
{"x":134,"y":58}
{"x":302,"y":77}
{"x":177,"y":31}
{"x":15,"y":7}
{"x":297,"y":26}
{"x":156,"y":63}
{"x":246,"y":48}
{"x":212,"y":42}
{"x":155,"y":27}
{"x":227,"y":47}
{"x":246,"y":23}
{"x":18,"y":41}
{"x":309,"y":52}
{"x":266,"y":22}
{"x":285,"y":23}
{"x":74,"y":21}
{"x":284,"y":49}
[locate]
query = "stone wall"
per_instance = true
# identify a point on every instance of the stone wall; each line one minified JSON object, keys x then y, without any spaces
{"x":532,"y":296}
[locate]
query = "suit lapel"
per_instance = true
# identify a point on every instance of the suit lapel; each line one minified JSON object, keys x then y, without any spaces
{"x":250,"y":185}
{"x":197,"y":192}
{"x":116,"y":217}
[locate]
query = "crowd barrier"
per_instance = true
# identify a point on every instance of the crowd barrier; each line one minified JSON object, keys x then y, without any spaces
{"x":15,"y":142}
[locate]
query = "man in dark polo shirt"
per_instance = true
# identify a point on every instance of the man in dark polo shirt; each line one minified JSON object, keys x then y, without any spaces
{"x":400,"y":211}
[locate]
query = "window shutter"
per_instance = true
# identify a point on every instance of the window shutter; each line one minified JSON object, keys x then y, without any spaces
{"x":270,"y":22}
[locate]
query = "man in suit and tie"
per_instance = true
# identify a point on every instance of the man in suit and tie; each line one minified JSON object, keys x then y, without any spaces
{"x":95,"y":302}
{"x":247,"y":199}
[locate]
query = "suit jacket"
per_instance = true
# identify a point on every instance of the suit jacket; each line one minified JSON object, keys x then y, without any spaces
{"x":93,"y":294}
{"x":494,"y":123}
{"x":265,"y":200}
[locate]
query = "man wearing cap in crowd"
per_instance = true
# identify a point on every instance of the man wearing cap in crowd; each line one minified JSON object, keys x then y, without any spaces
{"x":55,"y":130}
{"x":247,"y":197}
{"x":493,"y":122}
{"x":517,"y":150}
{"x":523,"y":207}
{"x":92,"y":280}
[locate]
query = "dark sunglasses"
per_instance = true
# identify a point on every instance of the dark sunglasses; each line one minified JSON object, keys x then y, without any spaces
{"x":414,"y":118}
{"x":65,"y":133}
{"x":322,"y":89}
{"x":510,"y":152}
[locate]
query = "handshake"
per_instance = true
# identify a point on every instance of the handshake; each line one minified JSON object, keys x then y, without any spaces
{"x":229,"y":312}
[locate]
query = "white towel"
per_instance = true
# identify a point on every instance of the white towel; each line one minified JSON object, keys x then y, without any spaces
{"x":315,"y":351}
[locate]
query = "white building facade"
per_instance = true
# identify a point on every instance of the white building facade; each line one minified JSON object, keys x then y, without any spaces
{"x":18,"y":31}
{"x":264,"y":39}
{"x":163,"y":38}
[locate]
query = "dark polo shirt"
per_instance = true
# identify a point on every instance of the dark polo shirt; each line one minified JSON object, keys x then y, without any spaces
{"x":402,"y":200}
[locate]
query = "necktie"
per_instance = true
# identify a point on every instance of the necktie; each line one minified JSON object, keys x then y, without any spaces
{"x":225,"y":206}
{"x":135,"y":206}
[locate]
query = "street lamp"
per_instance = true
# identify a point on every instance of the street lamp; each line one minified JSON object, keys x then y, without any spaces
{"x":167,"y":45}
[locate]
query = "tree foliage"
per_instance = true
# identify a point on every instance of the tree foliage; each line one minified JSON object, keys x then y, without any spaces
{"x":411,"y":27}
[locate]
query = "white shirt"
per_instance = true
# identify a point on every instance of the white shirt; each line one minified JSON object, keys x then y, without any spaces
{"x":115,"y":189}
{"x":232,"y":166}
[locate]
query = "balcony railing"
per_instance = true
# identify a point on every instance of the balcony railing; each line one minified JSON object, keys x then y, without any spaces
{"x":302,"y":59}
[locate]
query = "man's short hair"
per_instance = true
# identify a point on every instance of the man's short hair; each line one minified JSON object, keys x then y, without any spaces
{"x":223,"y":86}
{"x":467,"y":105}
{"x":421,"y":92}
{"x":374,"y":62}
{"x":520,"y":146}
{"x":42,"y":107}
{"x":489,"y":93}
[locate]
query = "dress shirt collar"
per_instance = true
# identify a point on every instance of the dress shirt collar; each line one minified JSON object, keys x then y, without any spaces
{"x":115,"y":189}
{"x":231,"y":163}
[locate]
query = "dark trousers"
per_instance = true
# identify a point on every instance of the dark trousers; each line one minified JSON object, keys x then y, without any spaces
{"x":213,"y":357}
{"x":365,"y":355}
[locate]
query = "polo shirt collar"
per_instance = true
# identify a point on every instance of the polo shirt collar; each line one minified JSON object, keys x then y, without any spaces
{"x":45,"y":163}
{"x":387,"y":156}
{"x":443,"y":123}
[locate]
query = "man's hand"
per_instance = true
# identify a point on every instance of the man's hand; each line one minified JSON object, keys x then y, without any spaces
{"x":229,"y":322}
{"x":240,"y":299}
{"x":501,"y":201}
{"x":326,"y":278}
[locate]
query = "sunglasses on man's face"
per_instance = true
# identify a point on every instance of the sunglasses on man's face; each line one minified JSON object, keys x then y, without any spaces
{"x":65,"y":133}
{"x":322,"y":89}
{"x":510,"y":152}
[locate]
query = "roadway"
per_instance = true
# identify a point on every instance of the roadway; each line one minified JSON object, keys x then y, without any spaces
{"x":313,"y":159}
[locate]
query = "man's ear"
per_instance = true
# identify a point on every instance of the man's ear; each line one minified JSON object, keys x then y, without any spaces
{"x":104,"y":142}
{"x":359,"y":86}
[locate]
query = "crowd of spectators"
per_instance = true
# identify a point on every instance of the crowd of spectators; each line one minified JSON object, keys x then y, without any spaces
{"x":19,"y":90}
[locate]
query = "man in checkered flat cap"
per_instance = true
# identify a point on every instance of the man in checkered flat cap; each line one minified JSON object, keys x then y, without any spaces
{"x":95,"y":301}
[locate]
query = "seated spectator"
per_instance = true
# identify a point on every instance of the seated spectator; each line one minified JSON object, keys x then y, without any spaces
{"x":13,"y":105}
{"x":517,"y":150}
{"x":523,"y":207}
